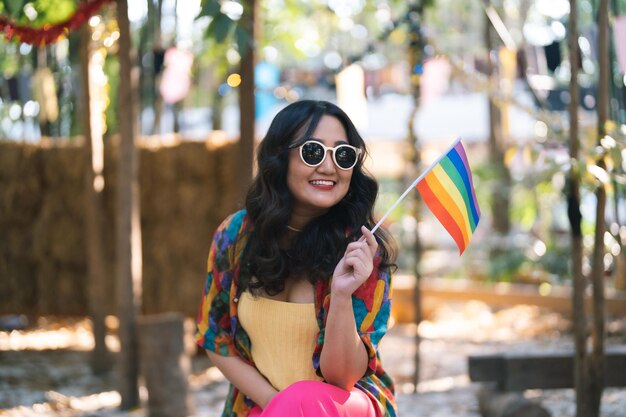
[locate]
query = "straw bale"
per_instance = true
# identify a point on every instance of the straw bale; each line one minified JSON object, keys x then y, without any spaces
{"x":61,"y":290}
{"x":159,"y":201}
{"x":159,"y":164}
{"x":20,"y":200}
{"x":58,"y":233}
{"x":20,"y":188}
{"x":16,"y":294}
{"x":14,"y":157}
{"x":67,"y":241}
{"x":19,"y":242}
{"x":63,"y":164}
{"x":190,"y":202}
{"x":192,"y":161}
{"x":9,"y":159}
{"x":162,"y":262}
{"x":186,"y":191}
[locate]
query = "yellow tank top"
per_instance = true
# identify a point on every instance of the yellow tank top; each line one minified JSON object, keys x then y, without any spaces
{"x":283,"y":337}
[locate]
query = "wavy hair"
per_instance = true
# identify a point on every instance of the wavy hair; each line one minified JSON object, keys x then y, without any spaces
{"x":315,"y":252}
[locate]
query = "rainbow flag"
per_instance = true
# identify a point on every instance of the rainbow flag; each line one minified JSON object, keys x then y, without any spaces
{"x":448,"y":191}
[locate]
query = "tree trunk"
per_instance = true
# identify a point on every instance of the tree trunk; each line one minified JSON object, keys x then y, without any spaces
{"x":500,"y":198}
{"x":573,"y":211}
{"x":246,"y":102}
{"x":414,"y":159}
{"x":620,"y":260}
{"x":146,"y":75}
{"x":101,"y":361}
{"x":165,"y":365}
{"x":596,"y":363}
{"x":45,"y":125}
{"x":495,"y":403}
{"x":158,"y":51}
{"x":216,"y":111}
{"x":177,"y":110}
{"x":128,"y":227}
{"x":178,"y":106}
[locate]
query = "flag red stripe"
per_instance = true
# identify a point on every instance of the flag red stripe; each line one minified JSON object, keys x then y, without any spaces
{"x":445,"y":198}
{"x":441,"y":214}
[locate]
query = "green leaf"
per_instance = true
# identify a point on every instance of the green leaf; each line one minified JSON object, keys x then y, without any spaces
{"x":243,"y":39}
{"x":52,"y":12}
{"x":14,"y":7}
{"x":209,"y":8}
{"x":220,"y":27}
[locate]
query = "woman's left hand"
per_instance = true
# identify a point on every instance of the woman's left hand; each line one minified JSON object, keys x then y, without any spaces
{"x":355,"y":266}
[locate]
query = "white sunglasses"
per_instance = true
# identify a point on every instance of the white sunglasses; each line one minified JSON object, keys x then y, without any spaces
{"x":313,"y":153}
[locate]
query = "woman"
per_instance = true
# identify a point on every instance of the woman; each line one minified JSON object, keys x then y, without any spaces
{"x":297,"y":294}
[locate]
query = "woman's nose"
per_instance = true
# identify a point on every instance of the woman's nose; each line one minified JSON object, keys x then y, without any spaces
{"x":327,"y":165}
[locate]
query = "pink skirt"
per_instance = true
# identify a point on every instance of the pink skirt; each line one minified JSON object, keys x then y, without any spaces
{"x":318,"y":399}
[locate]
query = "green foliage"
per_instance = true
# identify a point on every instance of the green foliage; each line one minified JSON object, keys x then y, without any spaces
{"x":223,"y":29}
{"x":505,"y":266}
{"x":112,"y":70}
{"x":390,"y":190}
{"x":485,"y":177}
{"x":48,"y":11}
{"x":220,"y":27}
{"x":516,"y":264}
{"x":554,"y":261}
{"x":13,"y":7}
{"x":283,"y":26}
{"x":209,"y":8}
{"x":284,"y":22}
{"x":456,"y":27}
{"x":243,"y":39}
{"x":537,"y":213}
{"x":9,"y":58}
{"x":524,"y":207}
{"x":53,"y":11}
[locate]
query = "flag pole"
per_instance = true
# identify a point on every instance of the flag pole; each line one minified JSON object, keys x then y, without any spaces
{"x":413,"y":184}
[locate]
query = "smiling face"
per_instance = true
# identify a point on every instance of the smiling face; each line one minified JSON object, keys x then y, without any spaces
{"x":316,"y":189}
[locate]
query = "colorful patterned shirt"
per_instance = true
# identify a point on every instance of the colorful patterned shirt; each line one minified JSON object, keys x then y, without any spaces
{"x":218,"y":328}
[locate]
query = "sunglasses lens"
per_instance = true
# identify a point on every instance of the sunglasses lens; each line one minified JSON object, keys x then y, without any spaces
{"x":345,"y":157}
{"x":312,"y":153}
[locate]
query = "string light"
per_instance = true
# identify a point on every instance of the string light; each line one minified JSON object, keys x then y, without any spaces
{"x":234,"y":80}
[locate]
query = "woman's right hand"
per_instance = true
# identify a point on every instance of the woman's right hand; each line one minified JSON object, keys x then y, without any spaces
{"x":355,"y":266}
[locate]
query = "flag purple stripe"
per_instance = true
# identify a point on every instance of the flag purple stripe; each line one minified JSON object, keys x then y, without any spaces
{"x":461,"y":152}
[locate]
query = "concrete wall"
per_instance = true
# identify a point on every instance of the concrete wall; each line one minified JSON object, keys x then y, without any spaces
{"x":186,"y":190}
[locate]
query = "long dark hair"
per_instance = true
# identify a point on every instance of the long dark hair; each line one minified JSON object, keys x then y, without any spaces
{"x":315,"y":251}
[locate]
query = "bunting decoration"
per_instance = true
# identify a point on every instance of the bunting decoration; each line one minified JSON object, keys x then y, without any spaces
{"x":47,"y":33}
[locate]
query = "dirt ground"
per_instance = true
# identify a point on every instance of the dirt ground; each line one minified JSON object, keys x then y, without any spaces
{"x":44,"y":371}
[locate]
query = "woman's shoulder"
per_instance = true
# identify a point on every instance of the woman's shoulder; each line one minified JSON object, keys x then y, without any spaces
{"x":234,"y":224}
{"x":236,"y":217}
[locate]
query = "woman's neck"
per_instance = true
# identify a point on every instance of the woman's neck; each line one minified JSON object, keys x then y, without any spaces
{"x":299,"y":219}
